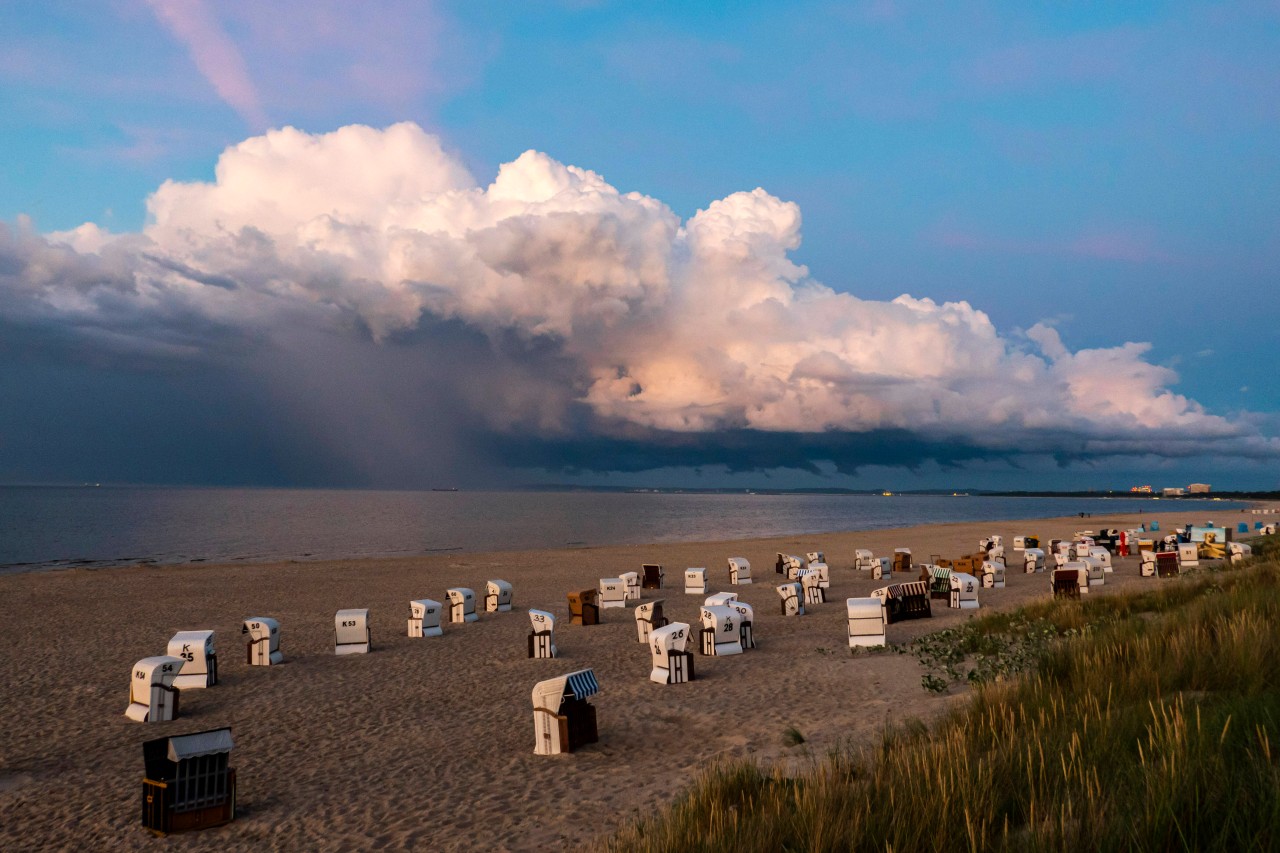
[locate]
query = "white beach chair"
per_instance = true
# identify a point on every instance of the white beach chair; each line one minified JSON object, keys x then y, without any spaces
{"x":1188,"y":555}
{"x":792,"y":599}
{"x":613,"y":593}
{"x":720,"y":635}
{"x":264,"y":641}
{"x":201,"y":667}
{"x":1102,"y":555}
{"x":964,"y":591}
{"x":695,"y":581}
{"x":632,"y":580}
{"x":864,"y":560}
{"x":720,"y":598}
{"x":746,"y":619}
{"x":542,"y":638}
{"x":563,"y":719}
{"x":672,"y":663}
{"x":1033,"y":560}
{"x":152,"y":696}
{"x":1238,"y":552}
{"x":497,"y":596}
{"x":824,"y":575}
{"x":811,"y":585}
{"x":649,"y":617}
{"x":882,"y":569}
{"x":992,"y":575}
{"x":1093,"y":568}
{"x":815,"y":557}
{"x":462,"y":604}
{"x":424,"y":618}
{"x":866,"y":622}
{"x":1147,"y":567}
{"x":351,"y":632}
{"x":739,"y":571}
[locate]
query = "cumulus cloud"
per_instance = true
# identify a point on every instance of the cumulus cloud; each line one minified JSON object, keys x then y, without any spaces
{"x":614,"y":329}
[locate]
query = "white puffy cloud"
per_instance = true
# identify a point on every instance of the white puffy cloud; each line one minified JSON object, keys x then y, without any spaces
{"x":680,"y":327}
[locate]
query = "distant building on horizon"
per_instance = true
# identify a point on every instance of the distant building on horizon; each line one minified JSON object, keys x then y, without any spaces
{"x":1140,"y":490}
{"x":1198,"y":488}
{"x":1173,"y":491}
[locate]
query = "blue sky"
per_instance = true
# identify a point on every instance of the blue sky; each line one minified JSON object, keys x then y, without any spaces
{"x":1107,"y":170}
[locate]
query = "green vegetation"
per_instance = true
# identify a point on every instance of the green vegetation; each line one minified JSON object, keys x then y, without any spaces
{"x":1143,"y":722}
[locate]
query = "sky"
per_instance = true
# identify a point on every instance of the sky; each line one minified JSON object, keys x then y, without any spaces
{"x":815,"y":244}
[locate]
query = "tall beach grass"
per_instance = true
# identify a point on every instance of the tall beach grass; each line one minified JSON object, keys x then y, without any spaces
{"x":1158,"y":728}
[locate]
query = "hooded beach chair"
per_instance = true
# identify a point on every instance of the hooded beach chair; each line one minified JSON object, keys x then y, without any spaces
{"x":201,"y":661}
{"x":351,"y":634}
{"x":542,"y":634}
{"x":672,"y":663}
{"x":739,"y":571}
{"x":792,"y":599}
{"x":964,"y":591}
{"x":651,"y":576}
{"x":632,"y":580}
{"x":152,"y":696}
{"x":563,"y":719}
{"x":695,"y":581}
{"x":719,"y":636}
{"x":264,"y":641}
{"x":613,"y":593}
{"x":462,"y":604}
{"x":864,"y":560}
{"x":188,"y":783}
{"x":866,"y":622}
{"x":649,"y":617}
{"x":584,"y":607}
{"x":497,"y":596}
{"x":746,"y":618}
{"x":424,"y":618}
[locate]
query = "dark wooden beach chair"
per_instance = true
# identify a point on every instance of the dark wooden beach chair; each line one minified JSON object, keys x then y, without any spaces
{"x":1166,"y":564}
{"x":584,"y":607}
{"x":901,"y":561}
{"x":652,"y":575}
{"x":1066,"y":583}
{"x":908,"y":600}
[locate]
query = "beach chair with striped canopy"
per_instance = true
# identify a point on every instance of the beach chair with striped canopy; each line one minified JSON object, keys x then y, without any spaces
{"x":903,"y":601}
{"x":939,"y":580}
{"x":563,"y":719}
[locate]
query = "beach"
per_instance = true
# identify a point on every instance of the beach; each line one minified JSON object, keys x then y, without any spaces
{"x":429,"y":742}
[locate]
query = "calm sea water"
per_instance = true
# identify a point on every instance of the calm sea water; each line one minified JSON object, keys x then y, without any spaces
{"x":43,"y":527}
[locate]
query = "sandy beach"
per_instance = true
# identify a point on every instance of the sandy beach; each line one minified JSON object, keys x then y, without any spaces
{"x":429,"y":743}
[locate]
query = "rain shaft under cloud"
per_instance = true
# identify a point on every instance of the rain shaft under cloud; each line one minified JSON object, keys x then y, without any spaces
{"x":549,"y":312}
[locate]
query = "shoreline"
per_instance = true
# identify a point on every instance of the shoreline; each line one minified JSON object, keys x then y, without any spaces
{"x":269,"y":533}
{"x":430,"y":741}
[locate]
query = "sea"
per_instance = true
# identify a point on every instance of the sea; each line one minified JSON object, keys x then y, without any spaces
{"x":44,"y":527}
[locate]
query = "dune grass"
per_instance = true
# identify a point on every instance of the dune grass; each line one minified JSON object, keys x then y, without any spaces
{"x":1151,"y":730}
